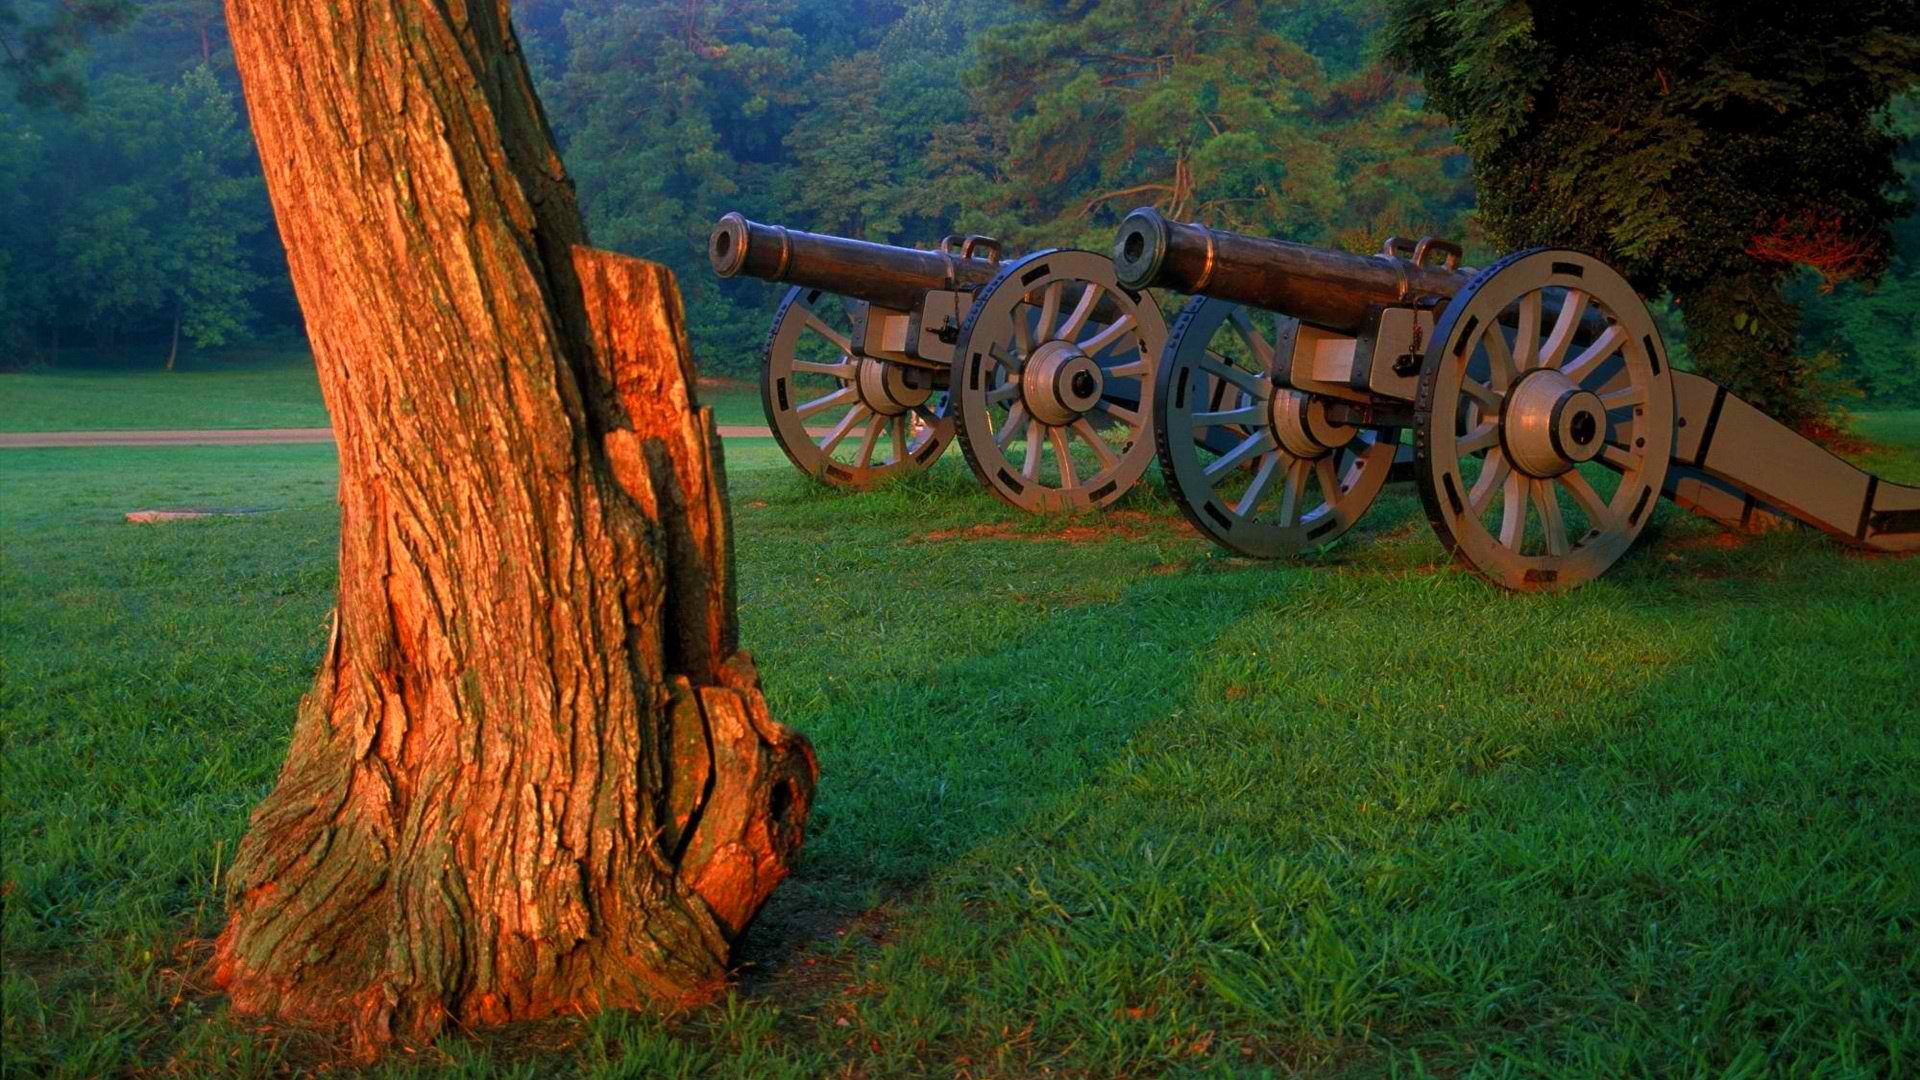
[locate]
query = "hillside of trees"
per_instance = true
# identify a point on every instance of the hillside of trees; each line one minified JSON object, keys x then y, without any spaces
{"x":132,"y":214}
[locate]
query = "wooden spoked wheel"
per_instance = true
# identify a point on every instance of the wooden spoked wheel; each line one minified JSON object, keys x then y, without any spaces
{"x":1544,"y":420}
{"x":1053,"y":383}
{"x":849,"y":421}
{"x":1257,"y":468}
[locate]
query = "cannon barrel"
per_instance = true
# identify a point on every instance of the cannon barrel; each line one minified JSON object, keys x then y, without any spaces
{"x":1329,"y":289}
{"x":881,"y":274}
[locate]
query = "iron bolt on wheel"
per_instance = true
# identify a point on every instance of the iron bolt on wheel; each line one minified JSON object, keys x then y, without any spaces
{"x":1053,"y":383}
{"x":1544,"y":420}
{"x":1257,"y":468}
{"x":848,"y":421}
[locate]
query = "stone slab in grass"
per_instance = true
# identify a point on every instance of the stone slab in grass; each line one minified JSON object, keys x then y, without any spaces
{"x":187,"y":513}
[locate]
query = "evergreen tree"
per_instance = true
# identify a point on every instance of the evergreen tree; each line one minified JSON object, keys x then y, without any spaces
{"x":42,"y":43}
{"x":1710,"y":147}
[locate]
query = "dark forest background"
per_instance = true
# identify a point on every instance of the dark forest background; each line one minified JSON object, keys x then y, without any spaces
{"x":133,"y":218}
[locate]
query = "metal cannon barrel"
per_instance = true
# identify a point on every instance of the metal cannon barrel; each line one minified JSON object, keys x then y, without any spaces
{"x":1329,"y":289}
{"x":881,"y":274}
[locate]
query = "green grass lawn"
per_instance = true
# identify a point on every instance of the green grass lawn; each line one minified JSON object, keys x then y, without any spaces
{"x":259,"y":388}
{"x":1094,"y":799}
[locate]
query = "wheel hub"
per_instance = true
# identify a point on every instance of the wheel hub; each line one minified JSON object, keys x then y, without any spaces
{"x":1550,"y":425}
{"x":1060,"y":383}
{"x":891,"y":389}
{"x":1301,"y":426}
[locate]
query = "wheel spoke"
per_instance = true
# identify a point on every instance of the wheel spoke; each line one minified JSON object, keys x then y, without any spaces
{"x":1014,"y":365}
{"x":1049,"y":311}
{"x":834,"y":437}
{"x":837,"y":397}
{"x":1010,"y":427}
{"x":1064,"y":452}
{"x":1572,"y":310}
{"x":1599,"y":514}
{"x":1290,"y":492}
{"x":1329,"y":479}
{"x":1500,"y":373}
{"x":1250,"y":498}
{"x":1137,"y":366}
{"x":1550,"y":517}
{"x":1255,"y":340}
{"x":900,"y":438}
{"x":1246,"y":414}
{"x":1113,"y":332}
{"x":1031,"y":467}
{"x":1526,"y":340}
{"x":1483,"y":396}
{"x":1620,"y":399}
{"x":1595,"y":354}
{"x":1256,"y":443}
{"x":845,"y":371}
{"x":840,"y":340}
{"x":1493,"y":473}
{"x":1485,"y":436}
{"x":1256,"y":385}
{"x":1513,"y":513}
{"x":870,"y":440}
{"x":1082,"y":311}
{"x":1619,"y":457}
{"x":1119,"y":412}
{"x":1022,"y":334}
{"x":1108,"y":459}
{"x":1006,"y":391}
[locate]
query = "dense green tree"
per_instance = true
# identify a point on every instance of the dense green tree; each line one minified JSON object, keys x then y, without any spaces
{"x":42,"y":46}
{"x":1208,"y":110}
{"x":671,"y":113}
{"x":26,"y":290}
{"x":1876,"y":331}
{"x":162,"y":240}
{"x":864,"y":155}
{"x":1711,"y":147}
{"x":1041,"y":121}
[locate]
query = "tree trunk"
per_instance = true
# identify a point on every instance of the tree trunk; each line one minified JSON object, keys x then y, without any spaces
{"x":534,"y":775}
{"x":173,"y":351}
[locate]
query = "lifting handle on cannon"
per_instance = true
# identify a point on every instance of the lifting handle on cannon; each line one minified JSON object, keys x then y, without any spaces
{"x":883,"y":274}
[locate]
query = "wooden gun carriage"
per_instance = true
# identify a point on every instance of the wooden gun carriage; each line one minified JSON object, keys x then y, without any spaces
{"x":1042,"y":366}
{"x":1544,"y":417}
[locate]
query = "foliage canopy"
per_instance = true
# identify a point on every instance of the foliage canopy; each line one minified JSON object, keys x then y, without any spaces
{"x":1710,"y":148}
{"x":1717,"y":150}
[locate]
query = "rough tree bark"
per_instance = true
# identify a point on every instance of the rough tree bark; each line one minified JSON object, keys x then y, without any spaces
{"x":534,"y":774}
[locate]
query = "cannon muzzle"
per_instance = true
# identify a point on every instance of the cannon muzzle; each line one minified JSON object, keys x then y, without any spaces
{"x":1329,"y":289}
{"x":883,"y":274}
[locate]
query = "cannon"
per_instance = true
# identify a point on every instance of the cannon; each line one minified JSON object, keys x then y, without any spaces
{"x":1041,"y":366}
{"x":1543,"y":416}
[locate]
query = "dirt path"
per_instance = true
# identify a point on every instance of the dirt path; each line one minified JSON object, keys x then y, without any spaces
{"x":26,"y":440}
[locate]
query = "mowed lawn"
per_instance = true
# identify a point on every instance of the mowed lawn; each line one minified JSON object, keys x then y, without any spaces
{"x":1094,"y":800}
{"x":255,"y":388}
